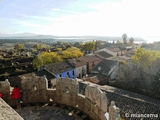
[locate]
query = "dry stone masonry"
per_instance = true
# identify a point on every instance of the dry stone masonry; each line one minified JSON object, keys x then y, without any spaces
{"x":93,"y":103}
{"x":7,"y":113}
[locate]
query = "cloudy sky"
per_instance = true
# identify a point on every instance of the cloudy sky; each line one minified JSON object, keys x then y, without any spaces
{"x":81,"y":17}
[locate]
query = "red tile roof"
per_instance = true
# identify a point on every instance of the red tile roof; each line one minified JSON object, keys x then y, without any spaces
{"x":83,"y":60}
{"x":77,"y":62}
{"x":90,"y":58}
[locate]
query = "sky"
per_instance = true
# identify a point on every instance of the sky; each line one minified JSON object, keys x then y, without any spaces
{"x":138,"y":18}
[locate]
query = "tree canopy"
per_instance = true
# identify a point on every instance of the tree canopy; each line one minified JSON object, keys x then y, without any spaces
{"x":124,"y":36}
{"x":53,"y":57}
{"x":72,"y":52}
{"x":142,"y":74}
{"x":90,"y":45}
{"x":19,"y":46}
{"x":39,"y":46}
{"x":131,"y":41}
{"x":119,"y":42}
{"x":145,"y":57}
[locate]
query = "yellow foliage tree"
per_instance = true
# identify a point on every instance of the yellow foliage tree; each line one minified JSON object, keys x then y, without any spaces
{"x":145,"y":57}
{"x":46,"y":58}
{"x":59,"y":49}
{"x":72,"y":52}
{"x":53,"y":57}
{"x":39,"y":46}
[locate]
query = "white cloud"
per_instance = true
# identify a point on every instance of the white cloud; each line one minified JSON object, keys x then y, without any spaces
{"x":65,"y":11}
{"x":133,"y":17}
{"x":136,"y":17}
{"x":27,"y":24}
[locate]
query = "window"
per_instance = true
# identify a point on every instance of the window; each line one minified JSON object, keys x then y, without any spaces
{"x":73,"y":72}
{"x":60,"y":75}
{"x":68,"y":74}
{"x":34,"y":87}
{"x":93,"y":64}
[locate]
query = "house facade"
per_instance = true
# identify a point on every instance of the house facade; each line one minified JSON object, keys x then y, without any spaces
{"x":80,"y":65}
{"x":106,"y":67}
{"x":61,"y":69}
{"x":91,"y":62}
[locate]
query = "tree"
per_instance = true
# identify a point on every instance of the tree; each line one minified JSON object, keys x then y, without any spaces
{"x":145,"y":57}
{"x":78,"y":45}
{"x":18,"y":46}
{"x":90,"y":46}
{"x":131,"y":41}
{"x":59,"y":49}
{"x":39,"y":46}
{"x":142,"y":74}
{"x":119,"y":42}
{"x":72,"y":52}
{"x":155,"y":87}
{"x":46,"y":58}
{"x":124,"y":36}
{"x":132,"y":77}
{"x":53,"y":57}
{"x":59,"y":42}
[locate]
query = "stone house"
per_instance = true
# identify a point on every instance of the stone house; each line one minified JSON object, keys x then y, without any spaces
{"x":91,"y":62}
{"x":106,"y":67}
{"x":103,"y":54}
{"x":80,"y":65}
{"x":114,"y":51}
{"x":16,"y":80}
{"x":61,"y":69}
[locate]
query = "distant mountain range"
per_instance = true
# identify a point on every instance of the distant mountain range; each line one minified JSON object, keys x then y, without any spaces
{"x":36,"y":36}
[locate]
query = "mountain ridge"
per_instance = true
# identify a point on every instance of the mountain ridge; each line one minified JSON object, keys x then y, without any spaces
{"x":40,"y":36}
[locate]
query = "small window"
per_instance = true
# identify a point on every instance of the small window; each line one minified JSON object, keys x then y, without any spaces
{"x":60,"y":75}
{"x":34,"y":87}
{"x":93,"y":64}
{"x":68,"y":74}
{"x":73,"y":72}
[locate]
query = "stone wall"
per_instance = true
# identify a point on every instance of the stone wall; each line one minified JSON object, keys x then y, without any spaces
{"x":5,"y":90}
{"x":79,"y":71}
{"x":93,"y":103}
{"x":35,"y":90}
{"x":94,"y":100}
{"x":7,"y":113}
{"x":128,"y":102}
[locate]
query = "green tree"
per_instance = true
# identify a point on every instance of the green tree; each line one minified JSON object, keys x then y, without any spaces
{"x":145,"y":57}
{"x":124,"y":36}
{"x":78,"y":44}
{"x":119,"y":42}
{"x":90,"y":46}
{"x":18,"y":46}
{"x":59,"y":43}
{"x":131,"y":41}
{"x":39,"y":46}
